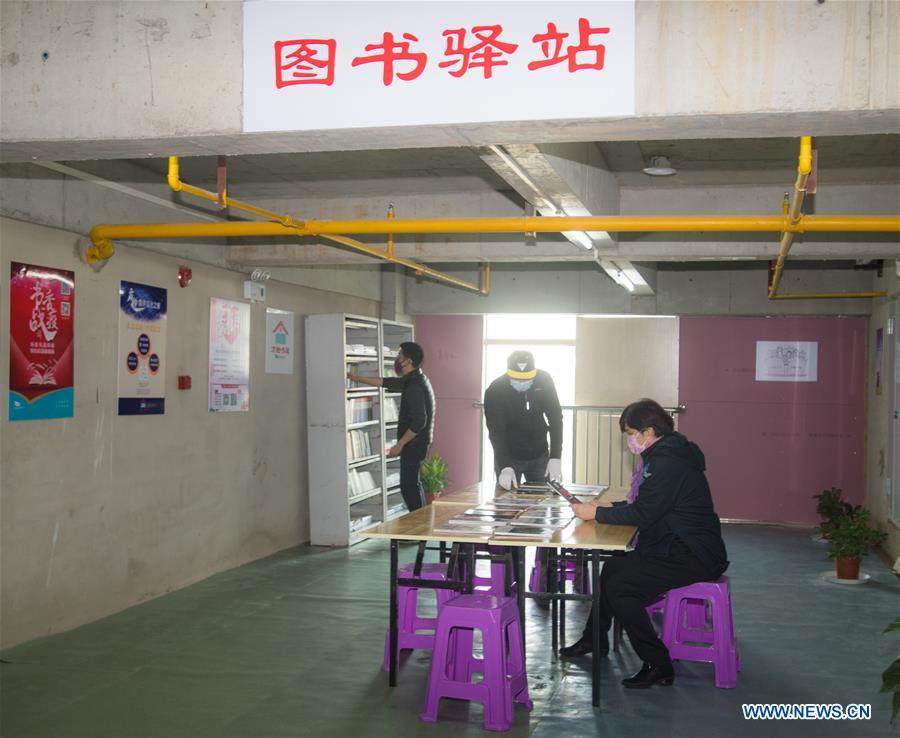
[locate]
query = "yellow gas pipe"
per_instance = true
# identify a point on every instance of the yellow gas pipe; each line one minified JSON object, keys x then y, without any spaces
{"x":387,"y":255}
{"x":102,"y":235}
{"x":804,"y":165}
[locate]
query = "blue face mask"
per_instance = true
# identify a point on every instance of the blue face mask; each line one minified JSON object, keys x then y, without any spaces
{"x":521,"y":385}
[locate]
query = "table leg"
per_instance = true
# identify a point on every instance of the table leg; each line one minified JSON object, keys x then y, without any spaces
{"x":595,"y":635}
{"x":392,"y":639}
{"x":552,"y":570}
{"x":519,"y":558}
{"x":562,"y":603}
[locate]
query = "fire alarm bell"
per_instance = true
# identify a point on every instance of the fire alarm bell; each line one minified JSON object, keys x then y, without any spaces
{"x":184,"y":276}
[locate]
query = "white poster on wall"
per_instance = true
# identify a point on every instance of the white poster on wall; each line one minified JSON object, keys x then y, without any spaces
{"x":279,"y":341}
{"x":229,"y":355}
{"x":328,"y":65}
{"x":787,"y":361}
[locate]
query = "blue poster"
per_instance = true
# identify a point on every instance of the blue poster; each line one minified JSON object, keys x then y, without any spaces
{"x":142,"y":349}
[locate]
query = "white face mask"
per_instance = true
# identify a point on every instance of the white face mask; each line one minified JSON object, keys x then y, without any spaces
{"x":521,"y":385}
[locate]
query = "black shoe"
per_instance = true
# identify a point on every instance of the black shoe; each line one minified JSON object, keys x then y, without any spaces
{"x":581,"y":647}
{"x":649,"y":675}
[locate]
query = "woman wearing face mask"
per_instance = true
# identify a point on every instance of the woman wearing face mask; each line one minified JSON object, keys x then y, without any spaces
{"x":679,"y":543}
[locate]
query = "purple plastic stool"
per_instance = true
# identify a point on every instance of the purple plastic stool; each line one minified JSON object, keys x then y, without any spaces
{"x":687,"y":642}
{"x":534,"y":581}
{"x":505,"y":679}
{"x":408,"y":621}
{"x":495,"y":583}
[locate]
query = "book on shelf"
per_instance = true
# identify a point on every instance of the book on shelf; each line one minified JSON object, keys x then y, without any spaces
{"x":360,"y":482}
{"x":361,"y":522}
{"x":360,"y":410}
{"x":390,"y":410}
{"x":360,"y":348}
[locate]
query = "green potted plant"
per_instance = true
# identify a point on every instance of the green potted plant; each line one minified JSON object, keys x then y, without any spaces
{"x":830,"y":507}
{"x":433,"y":474}
{"x":849,"y":539}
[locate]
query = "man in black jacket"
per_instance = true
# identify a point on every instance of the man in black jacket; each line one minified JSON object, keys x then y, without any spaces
{"x":680,"y":538}
{"x":415,"y":420}
{"x":520,"y":408}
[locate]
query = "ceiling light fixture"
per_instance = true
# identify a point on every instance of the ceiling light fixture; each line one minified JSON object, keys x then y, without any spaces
{"x":660,"y":166}
{"x":579,"y":237}
{"x":622,"y":280}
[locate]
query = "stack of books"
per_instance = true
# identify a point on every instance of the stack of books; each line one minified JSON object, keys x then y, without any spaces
{"x":390,"y":409}
{"x":360,"y":410}
{"x":359,"y":444}
{"x":360,"y":482}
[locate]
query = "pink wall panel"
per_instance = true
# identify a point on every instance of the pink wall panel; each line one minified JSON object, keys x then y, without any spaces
{"x":770,"y":446}
{"x":453,"y":346}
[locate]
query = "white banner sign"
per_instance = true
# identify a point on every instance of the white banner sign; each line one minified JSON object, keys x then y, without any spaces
{"x":787,"y":361}
{"x":279,"y":341}
{"x":229,"y":355}
{"x":326,"y":65}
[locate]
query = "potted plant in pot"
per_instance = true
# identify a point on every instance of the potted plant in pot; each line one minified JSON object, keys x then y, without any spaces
{"x":830,"y":507}
{"x":849,"y":539}
{"x":433,"y":474}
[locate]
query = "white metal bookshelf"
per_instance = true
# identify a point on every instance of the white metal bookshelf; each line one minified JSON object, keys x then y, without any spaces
{"x":352,"y":484}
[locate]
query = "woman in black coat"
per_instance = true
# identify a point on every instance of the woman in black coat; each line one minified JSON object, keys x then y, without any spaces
{"x":679,"y":538}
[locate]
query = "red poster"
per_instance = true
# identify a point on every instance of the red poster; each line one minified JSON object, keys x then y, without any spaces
{"x":41,"y":346}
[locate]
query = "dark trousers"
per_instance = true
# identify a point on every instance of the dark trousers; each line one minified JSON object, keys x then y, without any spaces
{"x":631,"y":582}
{"x":410,"y":485}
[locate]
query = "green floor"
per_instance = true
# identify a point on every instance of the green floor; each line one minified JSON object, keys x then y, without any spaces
{"x":291,"y":646}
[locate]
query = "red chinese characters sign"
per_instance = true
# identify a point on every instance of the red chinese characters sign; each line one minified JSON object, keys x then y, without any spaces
{"x":386,"y":63}
{"x":41,"y":348}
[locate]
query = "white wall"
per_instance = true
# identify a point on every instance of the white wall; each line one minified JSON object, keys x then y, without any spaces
{"x":99,"y":512}
{"x":878,"y":416}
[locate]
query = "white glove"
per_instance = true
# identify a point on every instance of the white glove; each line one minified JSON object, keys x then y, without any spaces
{"x":507,"y":477}
{"x":554,"y":470}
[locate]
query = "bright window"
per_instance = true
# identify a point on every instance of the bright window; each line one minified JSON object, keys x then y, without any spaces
{"x":551,"y":339}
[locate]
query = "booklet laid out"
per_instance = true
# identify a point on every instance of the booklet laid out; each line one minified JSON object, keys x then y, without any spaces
{"x":476,"y":520}
{"x":507,"y":513}
{"x":557,"y":520}
{"x":465,"y":530}
{"x":535,"y":487}
{"x":537,"y":532}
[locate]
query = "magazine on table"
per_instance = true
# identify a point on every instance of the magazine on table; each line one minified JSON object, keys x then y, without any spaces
{"x":461,"y":521}
{"x":465,"y":530}
{"x":517,"y":530}
{"x":534,"y":488}
{"x":508,"y":514}
{"x":542,"y":519}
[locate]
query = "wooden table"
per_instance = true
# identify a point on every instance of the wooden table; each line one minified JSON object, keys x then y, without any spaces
{"x":589,"y":536}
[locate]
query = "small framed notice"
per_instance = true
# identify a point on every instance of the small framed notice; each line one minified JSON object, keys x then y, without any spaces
{"x":787,"y":361}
